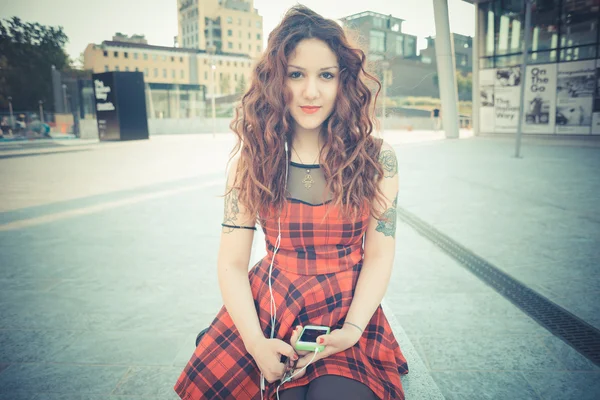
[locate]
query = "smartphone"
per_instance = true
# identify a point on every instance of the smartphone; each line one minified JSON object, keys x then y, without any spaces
{"x":308,"y":338}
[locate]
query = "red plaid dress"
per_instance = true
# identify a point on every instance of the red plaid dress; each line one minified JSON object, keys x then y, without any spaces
{"x":314,"y":275}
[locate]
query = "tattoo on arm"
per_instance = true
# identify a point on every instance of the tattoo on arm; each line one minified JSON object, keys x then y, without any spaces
{"x":232,"y":210}
{"x":387,"y":223}
{"x":389,"y":162}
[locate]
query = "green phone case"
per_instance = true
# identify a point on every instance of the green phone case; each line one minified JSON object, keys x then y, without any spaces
{"x":311,"y":346}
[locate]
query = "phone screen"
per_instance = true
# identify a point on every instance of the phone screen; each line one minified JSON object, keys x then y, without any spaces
{"x":311,"y":335}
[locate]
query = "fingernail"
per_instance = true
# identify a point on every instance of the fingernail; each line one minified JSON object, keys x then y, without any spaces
{"x":295,"y":357}
{"x":298,"y":327}
{"x":320,"y":340}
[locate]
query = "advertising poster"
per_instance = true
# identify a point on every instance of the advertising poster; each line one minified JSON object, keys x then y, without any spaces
{"x":539,"y":99}
{"x":575,"y":89}
{"x":106,"y":112}
{"x":486,"y":104}
{"x":596,"y":113}
{"x":507,"y":91}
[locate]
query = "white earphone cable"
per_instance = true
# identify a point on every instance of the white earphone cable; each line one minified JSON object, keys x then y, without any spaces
{"x":273,"y":306}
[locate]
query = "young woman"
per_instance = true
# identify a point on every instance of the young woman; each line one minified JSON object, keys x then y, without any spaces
{"x":324,"y":191}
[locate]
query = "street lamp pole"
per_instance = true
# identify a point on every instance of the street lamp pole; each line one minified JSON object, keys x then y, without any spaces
{"x":211,"y":50}
{"x":385,"y":65}
{"x":10,"y":109}
{"x":523,"y":77}
{"x":41,"y":111}
{"x":66,"y":106}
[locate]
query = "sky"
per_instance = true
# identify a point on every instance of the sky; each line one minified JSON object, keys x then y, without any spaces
{"x":92,"y":21}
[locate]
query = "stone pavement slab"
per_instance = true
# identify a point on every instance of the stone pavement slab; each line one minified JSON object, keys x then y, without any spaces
{"x":119,"y":290}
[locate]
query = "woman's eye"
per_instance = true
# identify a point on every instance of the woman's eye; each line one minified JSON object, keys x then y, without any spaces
{"x":295,"y":75}
{"x":327,"y":75}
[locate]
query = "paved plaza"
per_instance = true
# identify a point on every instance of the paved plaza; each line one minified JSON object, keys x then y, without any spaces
{"x":108,"y":264}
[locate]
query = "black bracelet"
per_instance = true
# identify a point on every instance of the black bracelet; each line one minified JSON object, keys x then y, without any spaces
{"x":239,"y":227}
{"x":354,"y":325}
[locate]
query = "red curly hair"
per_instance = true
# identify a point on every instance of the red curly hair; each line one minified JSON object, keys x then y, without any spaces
{"x":263,"y":122}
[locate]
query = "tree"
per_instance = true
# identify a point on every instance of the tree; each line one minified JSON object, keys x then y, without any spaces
{"x":27,"y":53}
{"x":224,"y":84}
{"x":464,"y":85}
{"x":241,"y":85}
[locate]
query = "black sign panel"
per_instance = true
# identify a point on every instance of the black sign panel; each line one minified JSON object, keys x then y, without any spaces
{"x":106,"y":106}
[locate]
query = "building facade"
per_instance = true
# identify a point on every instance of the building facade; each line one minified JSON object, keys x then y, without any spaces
{"x":562,"y":78}
{"x":380,"y":36}
{"x":232,"y":26}
{"x":463,"y":52}
{"x":178,"y":80}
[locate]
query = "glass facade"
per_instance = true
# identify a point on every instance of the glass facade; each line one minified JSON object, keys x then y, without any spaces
{"x":174,"y":101}
{"x":561,"y":30}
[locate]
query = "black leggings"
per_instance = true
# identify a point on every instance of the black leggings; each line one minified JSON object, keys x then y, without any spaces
{"x":329,"y":387}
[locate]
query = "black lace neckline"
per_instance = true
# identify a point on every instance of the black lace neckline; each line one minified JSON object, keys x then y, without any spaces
{"x":295,"y":164}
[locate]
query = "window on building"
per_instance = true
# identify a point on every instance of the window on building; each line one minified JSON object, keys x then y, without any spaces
{"x":205,"y":75}
{"x":117,"y":68}
{"x":137,"y":69}
{"x":396,"y":27}
{"x":377,"y":22}
{"x":173,"y":74}
{"x":235,"y":63}
{"x":229,"y":45}
{"x":135,"y":56}
{"x":105,"y":53}
{"x":164,"y":72}
{"x":578,"y":25}
{"x":180,"y":59}
{"x":258,"y":36}
{"x":377,"y":41}
{"x":205,"y":61}
{"x":249,"y":35}
{"x":125,"y":54}
{"x":249,"y":47}
{"x":508,"y":28}
{"x":172,"y":59}
{"x":258,"y":48}
{"x":145,"y":71}
{"x":116,"y":54}
{"x":220,"y":75}
{"x":400,"y":45}
{"x":229,"y":32}
{"x":229,"y":20}
{"x":258,"y":24}
{"x":410,"y":46}
{"x":127,"y":69}
{"x":145,"y":56}
{"x":239,"y":21}
{"x":155,"y":72}
{"x":182,"y":74}
{"x":239,"y":46}
{"x":220,"y":62}
{"x":106,"y":68}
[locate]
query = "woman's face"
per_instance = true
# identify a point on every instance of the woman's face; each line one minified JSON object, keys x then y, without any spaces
{"x":312,"y":79}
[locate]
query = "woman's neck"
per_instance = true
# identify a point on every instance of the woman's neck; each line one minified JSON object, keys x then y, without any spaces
{"x":306,"y":145}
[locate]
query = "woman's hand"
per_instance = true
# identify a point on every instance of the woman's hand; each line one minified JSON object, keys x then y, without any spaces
{"x":267,"y":354}
{"x":336,"y":341}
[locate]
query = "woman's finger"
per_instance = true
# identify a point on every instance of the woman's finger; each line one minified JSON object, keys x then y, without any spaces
{"x":295,"y":336}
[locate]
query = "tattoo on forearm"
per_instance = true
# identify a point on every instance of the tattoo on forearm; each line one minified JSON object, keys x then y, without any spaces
{"x":389,"y":162}
{"x":232,"y":210}
{"x":387,"y":223}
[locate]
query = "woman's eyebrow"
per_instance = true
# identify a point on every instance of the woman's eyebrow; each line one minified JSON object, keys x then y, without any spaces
{"x":303,"y":69}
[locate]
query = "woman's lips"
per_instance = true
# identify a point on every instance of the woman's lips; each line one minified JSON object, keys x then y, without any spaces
{"x":310,"y":110}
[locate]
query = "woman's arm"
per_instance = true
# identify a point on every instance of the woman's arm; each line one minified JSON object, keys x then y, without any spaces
{"x":380,"y":245}
{"x":233,"y":259}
